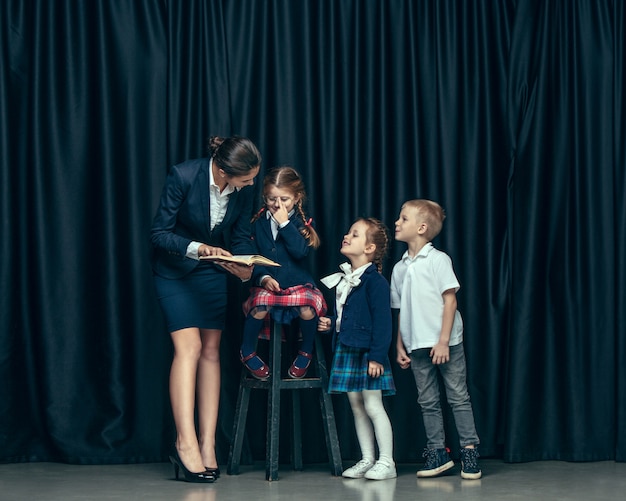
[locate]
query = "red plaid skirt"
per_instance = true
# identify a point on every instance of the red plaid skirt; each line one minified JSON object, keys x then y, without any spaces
{"x":284,"y":305}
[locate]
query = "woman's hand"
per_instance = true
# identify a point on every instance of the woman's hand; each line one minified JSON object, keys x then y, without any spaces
{"x":241,"y":271}
{"x":208,"y":250}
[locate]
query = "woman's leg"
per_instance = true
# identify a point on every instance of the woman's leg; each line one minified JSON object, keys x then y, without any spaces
{"x":187,"y":349}
{"x":208,"y":394}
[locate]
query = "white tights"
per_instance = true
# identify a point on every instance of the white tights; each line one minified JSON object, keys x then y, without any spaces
{"x":372,"y":424}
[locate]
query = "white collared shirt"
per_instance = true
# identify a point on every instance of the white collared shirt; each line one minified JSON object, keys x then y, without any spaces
{"x":217,"y":200}
{"x":344,"y":281}
{"x":417,"y":287}
{"x":218,"y":205}
{"x":339,"y":306}
{"x":274,"y":224}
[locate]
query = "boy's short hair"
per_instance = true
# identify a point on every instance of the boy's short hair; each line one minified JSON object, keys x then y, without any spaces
{"x":432,"y":213}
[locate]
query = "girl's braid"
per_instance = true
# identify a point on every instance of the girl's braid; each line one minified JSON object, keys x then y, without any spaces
{"x":379,"y":236}
{"x":307,"y":230}
{"x":257,"y":215}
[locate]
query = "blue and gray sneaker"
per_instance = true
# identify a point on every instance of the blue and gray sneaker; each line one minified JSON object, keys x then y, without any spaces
{"x":437,"y":461}
{"x":469,"y":464}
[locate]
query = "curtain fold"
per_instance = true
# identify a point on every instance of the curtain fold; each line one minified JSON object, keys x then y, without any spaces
{"x":618,"y":148}
{"x":508,"y":113}
{"x":562,"y":219}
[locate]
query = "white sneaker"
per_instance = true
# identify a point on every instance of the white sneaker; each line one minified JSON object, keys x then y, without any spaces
{"x":381,"y":471}
{"x":358,"y":470}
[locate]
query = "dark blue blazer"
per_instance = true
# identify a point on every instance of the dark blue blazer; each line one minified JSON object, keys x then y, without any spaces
{"x":183,"y":216}
{"x":290,"y":249}
{"x":366,"y":317}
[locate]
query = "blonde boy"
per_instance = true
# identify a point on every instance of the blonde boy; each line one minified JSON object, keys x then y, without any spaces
{"x":430,"y":338}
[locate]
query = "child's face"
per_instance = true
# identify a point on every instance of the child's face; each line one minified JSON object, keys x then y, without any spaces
{"x":354,"y":243}
{"x":408,"y":227}
{"x":277,"y":198}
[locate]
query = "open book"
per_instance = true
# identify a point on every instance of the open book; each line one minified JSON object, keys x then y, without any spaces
{"x":243,"y":259}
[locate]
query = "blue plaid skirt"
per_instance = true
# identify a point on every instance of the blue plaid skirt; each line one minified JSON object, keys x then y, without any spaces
{"x":349,"y":372}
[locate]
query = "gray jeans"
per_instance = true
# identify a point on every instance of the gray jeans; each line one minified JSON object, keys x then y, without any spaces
{"x":455,"y":381}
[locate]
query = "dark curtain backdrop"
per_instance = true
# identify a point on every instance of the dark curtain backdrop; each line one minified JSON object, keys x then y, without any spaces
{"x":508,"y":113}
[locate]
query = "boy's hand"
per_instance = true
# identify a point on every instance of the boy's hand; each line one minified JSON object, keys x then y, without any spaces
{"x":323,"y":324}
{"x":440,"y":354}
{"x":404,"y":361}
{"x":374,"y":369}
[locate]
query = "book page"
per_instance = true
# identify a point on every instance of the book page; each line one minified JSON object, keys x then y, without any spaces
{"x":247,"y":259}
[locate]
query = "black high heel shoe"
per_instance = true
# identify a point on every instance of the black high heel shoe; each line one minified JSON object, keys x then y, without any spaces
{"x":213,"y":471}
{"x":204,"y":477}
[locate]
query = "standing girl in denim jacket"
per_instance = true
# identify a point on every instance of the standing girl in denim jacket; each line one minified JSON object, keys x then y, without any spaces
{"x":361,"y":338}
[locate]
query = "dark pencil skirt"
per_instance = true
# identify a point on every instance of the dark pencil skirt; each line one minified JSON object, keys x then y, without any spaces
{"x":196,"y":300}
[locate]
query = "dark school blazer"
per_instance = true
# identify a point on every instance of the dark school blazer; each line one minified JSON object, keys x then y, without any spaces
{"x":183,"y":217}
{"x":366,"y":317}
{"x":290,"y":249}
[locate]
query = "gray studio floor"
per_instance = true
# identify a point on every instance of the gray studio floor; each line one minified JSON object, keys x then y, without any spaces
{"x":549,"y":480}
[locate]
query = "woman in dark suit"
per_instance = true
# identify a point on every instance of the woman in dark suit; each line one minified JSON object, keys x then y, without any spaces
{"x":205,"y":208}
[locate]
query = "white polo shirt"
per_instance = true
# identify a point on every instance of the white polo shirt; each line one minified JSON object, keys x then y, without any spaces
{"x":417,"y":287}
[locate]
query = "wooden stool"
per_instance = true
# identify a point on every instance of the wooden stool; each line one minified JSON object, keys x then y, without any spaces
{"x":275,"y":385}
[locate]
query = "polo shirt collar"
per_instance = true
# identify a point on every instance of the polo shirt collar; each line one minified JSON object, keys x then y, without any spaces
{"x":424,"y":251}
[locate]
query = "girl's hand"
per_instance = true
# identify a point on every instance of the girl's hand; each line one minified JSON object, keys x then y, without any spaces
{"x":208,"y":250}
{"x":241,"y":271}
{"x":281,"y":215}
{"x":270,"y":284}
{"x":440,"y":354}
{"x":374,"y":369}
{"x":323,"y":324}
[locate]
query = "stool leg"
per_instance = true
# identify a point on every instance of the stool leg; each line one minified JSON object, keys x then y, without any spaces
{"x":328,"y":415}
{"x":296,"y":437}
{"x":273,"y":407}
{"x":239,"y":427}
